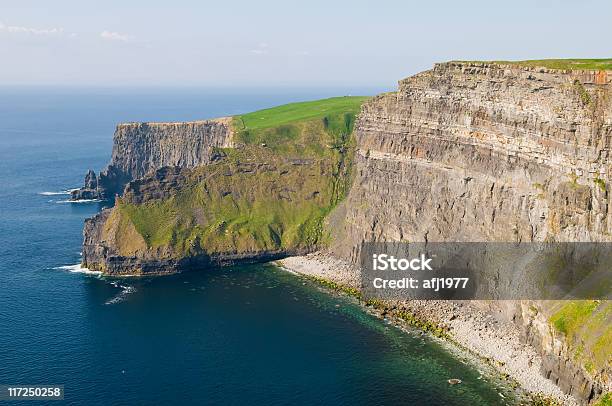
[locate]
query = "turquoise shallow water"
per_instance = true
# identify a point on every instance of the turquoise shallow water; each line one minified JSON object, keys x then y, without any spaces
{"x":242,"y":335}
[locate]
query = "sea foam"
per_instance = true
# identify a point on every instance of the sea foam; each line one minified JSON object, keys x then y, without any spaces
{"x":61,"y":193}
{"x":77,"y":268}
{"x":80,"y":201}
{"x":121,"y":296}
{"x":53,"y":193}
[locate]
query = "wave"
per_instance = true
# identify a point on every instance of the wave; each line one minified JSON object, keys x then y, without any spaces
{"x":63,"y":192}
{"x":77,"y":268}
{"x":52,"y":193}
{"x":121,"y":296}
{"x":118,"y":298}
{"x":80,"y":201}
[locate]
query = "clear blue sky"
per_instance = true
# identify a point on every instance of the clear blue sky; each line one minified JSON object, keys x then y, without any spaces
{"x":282,"y":43}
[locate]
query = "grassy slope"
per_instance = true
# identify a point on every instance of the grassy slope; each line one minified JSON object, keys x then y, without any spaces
{"x":587,"y":328}
{"x":279,"y":207}
{"x":567,"y":64}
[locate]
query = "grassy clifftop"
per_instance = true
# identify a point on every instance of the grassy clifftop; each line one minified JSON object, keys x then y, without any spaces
{"x":565,"y":64}
{"x":290,"y":167}
{"x":310,"y":128}
{"x":302,"y":111}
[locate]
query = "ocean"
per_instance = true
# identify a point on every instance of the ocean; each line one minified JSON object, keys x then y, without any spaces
{"x":240,"y":335}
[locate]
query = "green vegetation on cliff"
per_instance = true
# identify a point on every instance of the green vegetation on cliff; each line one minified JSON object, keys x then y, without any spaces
{"x":586,"y":325}
{"x":605,"y":400}
{"x":565,"y":64}
{"x":290,"y":167}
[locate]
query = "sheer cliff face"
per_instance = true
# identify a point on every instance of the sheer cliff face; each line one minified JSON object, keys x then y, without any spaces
{"x":477,"y":152}
{"x":141,"y":148}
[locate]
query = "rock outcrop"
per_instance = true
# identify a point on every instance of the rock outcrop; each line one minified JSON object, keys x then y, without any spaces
{"x":141,"y":148}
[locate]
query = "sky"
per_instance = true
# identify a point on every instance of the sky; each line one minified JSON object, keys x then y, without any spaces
{"x":263,"y":43}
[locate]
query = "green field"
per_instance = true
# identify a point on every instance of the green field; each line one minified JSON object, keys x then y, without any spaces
{"x":566,"y":64}
{"x":293,"y":112}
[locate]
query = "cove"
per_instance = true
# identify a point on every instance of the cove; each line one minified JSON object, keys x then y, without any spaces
{"x":239,"y":335}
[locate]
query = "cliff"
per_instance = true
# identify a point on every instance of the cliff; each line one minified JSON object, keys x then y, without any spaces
{"x":483,"y":153}
{"x":265,"y":198}
{"x":467,"y":151}
{"x":489,"y":152}
{"x":140,"y":148}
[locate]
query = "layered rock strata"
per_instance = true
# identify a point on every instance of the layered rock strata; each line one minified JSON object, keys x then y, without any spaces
{"x":486,"y":152}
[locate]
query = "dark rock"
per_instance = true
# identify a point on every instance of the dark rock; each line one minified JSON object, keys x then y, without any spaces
{"x":91,"y":180}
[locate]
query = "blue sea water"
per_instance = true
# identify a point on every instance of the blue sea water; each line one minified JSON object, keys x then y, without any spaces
{"x":241,"y":335}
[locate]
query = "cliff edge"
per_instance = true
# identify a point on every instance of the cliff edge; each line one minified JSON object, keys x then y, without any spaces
{"x":141,"y":148}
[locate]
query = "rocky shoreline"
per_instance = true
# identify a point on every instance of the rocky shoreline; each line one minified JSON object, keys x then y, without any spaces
{"x":495,"y":341}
